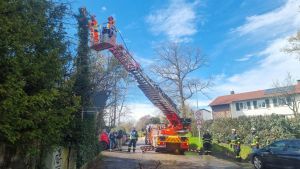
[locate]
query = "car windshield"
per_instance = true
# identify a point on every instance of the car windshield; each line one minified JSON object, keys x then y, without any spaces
{"x":278,"y":146}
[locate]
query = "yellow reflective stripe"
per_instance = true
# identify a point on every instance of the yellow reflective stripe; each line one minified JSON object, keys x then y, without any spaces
{"x":173,"y":139}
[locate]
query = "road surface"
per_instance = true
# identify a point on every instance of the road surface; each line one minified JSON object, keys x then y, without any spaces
{"x":153,"y":160}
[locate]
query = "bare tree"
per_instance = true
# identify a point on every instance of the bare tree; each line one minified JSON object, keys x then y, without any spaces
{"x":294,"y":45}
{"x":286,"y":94}
{"x":175,"y":65}
{"x":109,"y":76}
{"x":128,"y":125}
{"x":142,"y":122}
{"x":124,"y":113}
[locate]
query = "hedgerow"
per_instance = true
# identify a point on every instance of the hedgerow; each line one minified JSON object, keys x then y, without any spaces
{"x":269,"y":128}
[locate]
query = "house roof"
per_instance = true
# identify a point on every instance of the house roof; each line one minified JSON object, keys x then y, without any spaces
{"x":227,"y":99}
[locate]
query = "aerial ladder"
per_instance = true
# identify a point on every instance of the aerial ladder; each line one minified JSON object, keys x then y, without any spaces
{"x":171,"y":137}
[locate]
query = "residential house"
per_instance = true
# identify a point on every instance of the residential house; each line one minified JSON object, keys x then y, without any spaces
{"x":279,"y":100}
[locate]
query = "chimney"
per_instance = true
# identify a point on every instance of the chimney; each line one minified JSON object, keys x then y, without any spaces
{"x":232,"y":92}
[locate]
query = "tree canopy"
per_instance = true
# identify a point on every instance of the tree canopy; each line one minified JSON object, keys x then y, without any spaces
{"x":36,"y":99}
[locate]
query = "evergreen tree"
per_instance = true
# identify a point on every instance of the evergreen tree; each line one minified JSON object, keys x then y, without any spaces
{"x":36,"y":100}
{"x":85,"y":127}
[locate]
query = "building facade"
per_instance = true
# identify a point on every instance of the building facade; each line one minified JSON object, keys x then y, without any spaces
{"x":282,"y":101}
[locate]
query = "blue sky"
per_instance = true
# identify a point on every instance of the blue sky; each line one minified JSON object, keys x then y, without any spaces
{"x":242,"y":39}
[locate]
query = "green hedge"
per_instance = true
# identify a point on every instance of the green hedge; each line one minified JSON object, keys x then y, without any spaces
{"x":269,"y":128}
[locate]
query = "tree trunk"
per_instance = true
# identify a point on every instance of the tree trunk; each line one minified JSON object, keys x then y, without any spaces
{"x":9,"y":152}
{"x":180,"y":88}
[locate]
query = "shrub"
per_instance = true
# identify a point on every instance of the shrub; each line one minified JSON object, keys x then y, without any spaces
{"x":269,"y":128}
{"x":193,"y":146}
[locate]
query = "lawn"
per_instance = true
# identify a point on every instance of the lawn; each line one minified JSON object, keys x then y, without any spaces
{"x":195,"y":141}
{"x":245,"y":150}
{"x":220,"y":148}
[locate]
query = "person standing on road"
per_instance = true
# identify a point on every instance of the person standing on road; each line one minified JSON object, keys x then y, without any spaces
{"x":235,"y":143}
{"x":255,"y":140}
{"x":207,"y":139}
{"x":120,"y":140}
{"x":133,"y":139}
{"x":111,"y":140}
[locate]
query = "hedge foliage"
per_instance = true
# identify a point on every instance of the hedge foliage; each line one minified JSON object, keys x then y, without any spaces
{"x":269,"y":128}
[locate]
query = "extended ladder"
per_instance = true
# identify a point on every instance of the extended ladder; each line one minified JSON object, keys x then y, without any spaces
{"x":152,"y":91}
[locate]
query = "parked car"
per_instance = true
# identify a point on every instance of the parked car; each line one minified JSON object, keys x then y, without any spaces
{"x":283,"y":154}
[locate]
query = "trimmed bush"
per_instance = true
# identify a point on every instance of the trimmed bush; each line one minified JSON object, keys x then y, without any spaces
{"x":193,"y":146}
{"x":269,"y":128}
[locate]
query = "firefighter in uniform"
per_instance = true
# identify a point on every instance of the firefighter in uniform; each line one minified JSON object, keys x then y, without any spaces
{"x":255,"y":140}
{"x":111,"y":26}
{"x":207,"y":140}
{"x":235,"y":143}
{"x":133,"y":139}
{"x":93,"y":25}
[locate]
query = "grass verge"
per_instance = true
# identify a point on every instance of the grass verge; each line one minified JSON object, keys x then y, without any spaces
{"x":219,"y":149}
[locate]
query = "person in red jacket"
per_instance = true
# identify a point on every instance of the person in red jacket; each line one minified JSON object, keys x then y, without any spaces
{"x":104,"y":140}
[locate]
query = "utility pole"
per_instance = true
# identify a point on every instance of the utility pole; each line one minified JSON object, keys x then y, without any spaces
{"x":198,"y":126}
{"x":115,"y":101}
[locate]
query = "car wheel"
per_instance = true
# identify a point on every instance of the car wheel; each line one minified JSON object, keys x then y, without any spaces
{"x":257,"y":162}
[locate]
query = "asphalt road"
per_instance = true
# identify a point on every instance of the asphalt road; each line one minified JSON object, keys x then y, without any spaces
{"x":153,"y":160}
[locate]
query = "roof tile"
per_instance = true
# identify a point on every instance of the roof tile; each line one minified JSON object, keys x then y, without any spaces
{"x":227,"y":99}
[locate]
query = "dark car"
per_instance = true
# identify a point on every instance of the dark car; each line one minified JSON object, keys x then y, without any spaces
{"x":283,"y":154}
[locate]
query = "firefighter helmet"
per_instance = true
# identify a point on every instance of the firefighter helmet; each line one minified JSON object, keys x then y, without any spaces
{"x":110,"y":18}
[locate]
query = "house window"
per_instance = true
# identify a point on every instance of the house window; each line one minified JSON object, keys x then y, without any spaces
{"x":289,"y":100}
{"x":249,"y":105}
{"x":255,"y":104}
{"x":237,"y":107}
{"x":261,"y":104}
{"x":281,"y":101}
{"x":241,"y":106}
{"x":275,"y":103}
{"x":267,"y":103}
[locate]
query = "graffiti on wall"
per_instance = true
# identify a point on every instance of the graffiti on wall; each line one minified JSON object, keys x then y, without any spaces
{"x":58,"y":158}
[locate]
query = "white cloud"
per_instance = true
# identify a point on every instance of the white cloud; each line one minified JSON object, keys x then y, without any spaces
{"x":274,"y":27}
{"x":144,"y":62}
{"x":201,"y":103}
{"x":177,"y":21}
{"x":103,"y":8}
{"x":274,"y":66}
{"x":245,"y":58}
{"x":141,"y":109}
{"x":275,"y":23}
